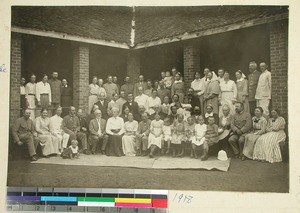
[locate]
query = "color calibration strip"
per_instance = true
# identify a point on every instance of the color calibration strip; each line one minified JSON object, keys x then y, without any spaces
{"x":86,"y":200}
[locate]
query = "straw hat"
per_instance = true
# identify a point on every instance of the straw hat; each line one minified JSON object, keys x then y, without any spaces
{"x":222,"y":155}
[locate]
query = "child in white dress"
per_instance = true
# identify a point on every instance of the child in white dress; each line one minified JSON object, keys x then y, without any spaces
{"x":199,"y":138}
{"x":167,"y":135}
{"x":156,"y":135}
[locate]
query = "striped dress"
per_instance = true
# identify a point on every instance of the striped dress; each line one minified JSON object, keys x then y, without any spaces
{"x":267,"y":146}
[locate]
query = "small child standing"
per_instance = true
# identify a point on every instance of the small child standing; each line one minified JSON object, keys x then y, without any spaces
{"x":168,"y":80}
{"x":167,"y":136}
{"x":189,"y":133}
{"x":178,"y":135}
{"x":156,"y":135}
{"x":198,"y":139}
{"x":211,"y":137}
{"x":72,"y":151}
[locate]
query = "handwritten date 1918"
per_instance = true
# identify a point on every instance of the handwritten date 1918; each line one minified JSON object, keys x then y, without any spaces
{"x":182,"y":198}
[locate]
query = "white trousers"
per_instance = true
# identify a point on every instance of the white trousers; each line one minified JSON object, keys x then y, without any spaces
{"x":63,"y":139}
{"x":264,"y":104}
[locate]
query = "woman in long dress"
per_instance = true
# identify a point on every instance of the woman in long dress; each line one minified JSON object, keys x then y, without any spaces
{"x":48,"y":142}
{"x":228,"y":93}
{"x":267,"y":146}
{"x":211,"y":94}
{"x":156,"y":135}
{"x":259,"y":126}
{"x":242,"y":90}
{"x":115,"y":130}
{"x":128,"y":140}
{"x":94,"y":92}
{"x":178,"y":87}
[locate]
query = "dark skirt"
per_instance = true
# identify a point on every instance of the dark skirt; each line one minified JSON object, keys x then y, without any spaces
{"x":66,"y":102}
{"x":114,"y":146}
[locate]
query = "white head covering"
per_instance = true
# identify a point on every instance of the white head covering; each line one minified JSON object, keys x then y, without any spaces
{"x":242,"y":78}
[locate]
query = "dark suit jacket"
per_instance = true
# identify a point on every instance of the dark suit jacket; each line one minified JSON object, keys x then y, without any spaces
{"x":134,"y":108}
{"x":83,"y":123}
{"x":216,"y":116}
{"x":94,"y":127}
{"x":103,"y":108}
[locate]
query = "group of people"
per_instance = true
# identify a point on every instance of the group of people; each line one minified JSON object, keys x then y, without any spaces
{"x":162,"y":117}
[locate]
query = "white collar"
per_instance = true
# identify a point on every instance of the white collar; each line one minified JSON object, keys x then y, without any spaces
{"x":179,"y":81}
{"x":240,"y":80}
{"x":209,"y":115}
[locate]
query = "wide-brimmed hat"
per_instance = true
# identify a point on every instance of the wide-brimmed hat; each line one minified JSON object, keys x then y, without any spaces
{"x":222,"y":155}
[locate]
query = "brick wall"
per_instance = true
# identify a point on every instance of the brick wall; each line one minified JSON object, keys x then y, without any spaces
{"x":279,"y":65}
{"x":81,"y":76}
{"x":191,"y":62}
{"x":15,"y":76}
{"x":133,"y":64}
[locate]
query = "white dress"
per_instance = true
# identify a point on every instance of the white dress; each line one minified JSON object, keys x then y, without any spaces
{"x":167,"y":132}
{"x":156,"y":127}
{"x":227,"y":95}
{"x":200,"y":131}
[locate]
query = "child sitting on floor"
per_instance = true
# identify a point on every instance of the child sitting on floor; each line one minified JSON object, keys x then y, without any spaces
{"x":72,"y":151}
{"x":178,"y":135}
{"x":211,"y":137}
{"x":189,"y":133}
{"x":198,"y":139}
{"x":167,"y":136}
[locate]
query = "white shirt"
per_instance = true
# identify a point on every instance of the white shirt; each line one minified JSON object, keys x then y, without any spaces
{"x":141,"y":99}
{"x":263,"y":90}
{"x":55,"y":124}
{"x":151,"y":103}
{"x":198,"y":85}
{"x":22,"y":90}
{"x":30,"y":88}
{"x":42,"y":88}
{"x":115,"y":123}
{"x":99,"y":125}
{"x":200,"y":130}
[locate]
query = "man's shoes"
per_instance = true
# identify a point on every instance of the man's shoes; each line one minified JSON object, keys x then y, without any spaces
{"x":33,"y":158}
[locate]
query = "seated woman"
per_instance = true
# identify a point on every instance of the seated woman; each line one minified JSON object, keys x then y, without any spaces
{"x":49,"y":142}
{"x":115,"y":130}
{"x":128,"y":140}
{"x":267,"y":147}
{"x":224,"y":129}
{"x":156,"y":135}
{"x":259,"y":125}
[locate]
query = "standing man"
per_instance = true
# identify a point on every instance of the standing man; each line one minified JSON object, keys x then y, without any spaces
{"x":110,"y":88}
{"x":97,"y":132}
{"x":23,"y":132}
{"x":141,"y":83}
{"x":221,"y":72}
{"x":30,"y":96}
{"x":240,"y":126}
{"x":253,"y":81}
{"x":263,"y":90}
{"x":66,"y":97}
{"x":198,"y":86}
{"x":71,"y":126}
{"x":103,"y":105}
{"x":55,"y":85}
{"x":115,"y":81}
{"x":127,"y":87}
{"x":56,"y":130}
{"x":23,"y":96}
{"x":43,"y":93}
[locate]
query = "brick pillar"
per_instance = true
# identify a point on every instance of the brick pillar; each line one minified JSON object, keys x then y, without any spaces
{"x":15,"y":76}
{"x":81,"y":76}
{"x":279,"y":65}
{"x":191,"y":62}
{"x":133,"y":65}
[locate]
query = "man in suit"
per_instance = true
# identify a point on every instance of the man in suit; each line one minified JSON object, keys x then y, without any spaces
{"x":83,"y":122}
{"x":97,"y":132}
{"x":253,"y":81}
{"x":103,"y":105}
{"x":132,"y":105}
{"x":71,"y":126}
{"x":141,"y":83}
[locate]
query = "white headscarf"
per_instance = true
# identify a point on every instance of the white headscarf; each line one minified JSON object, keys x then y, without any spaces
{"x":242,"y":78}
{"x":214,"y":77}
